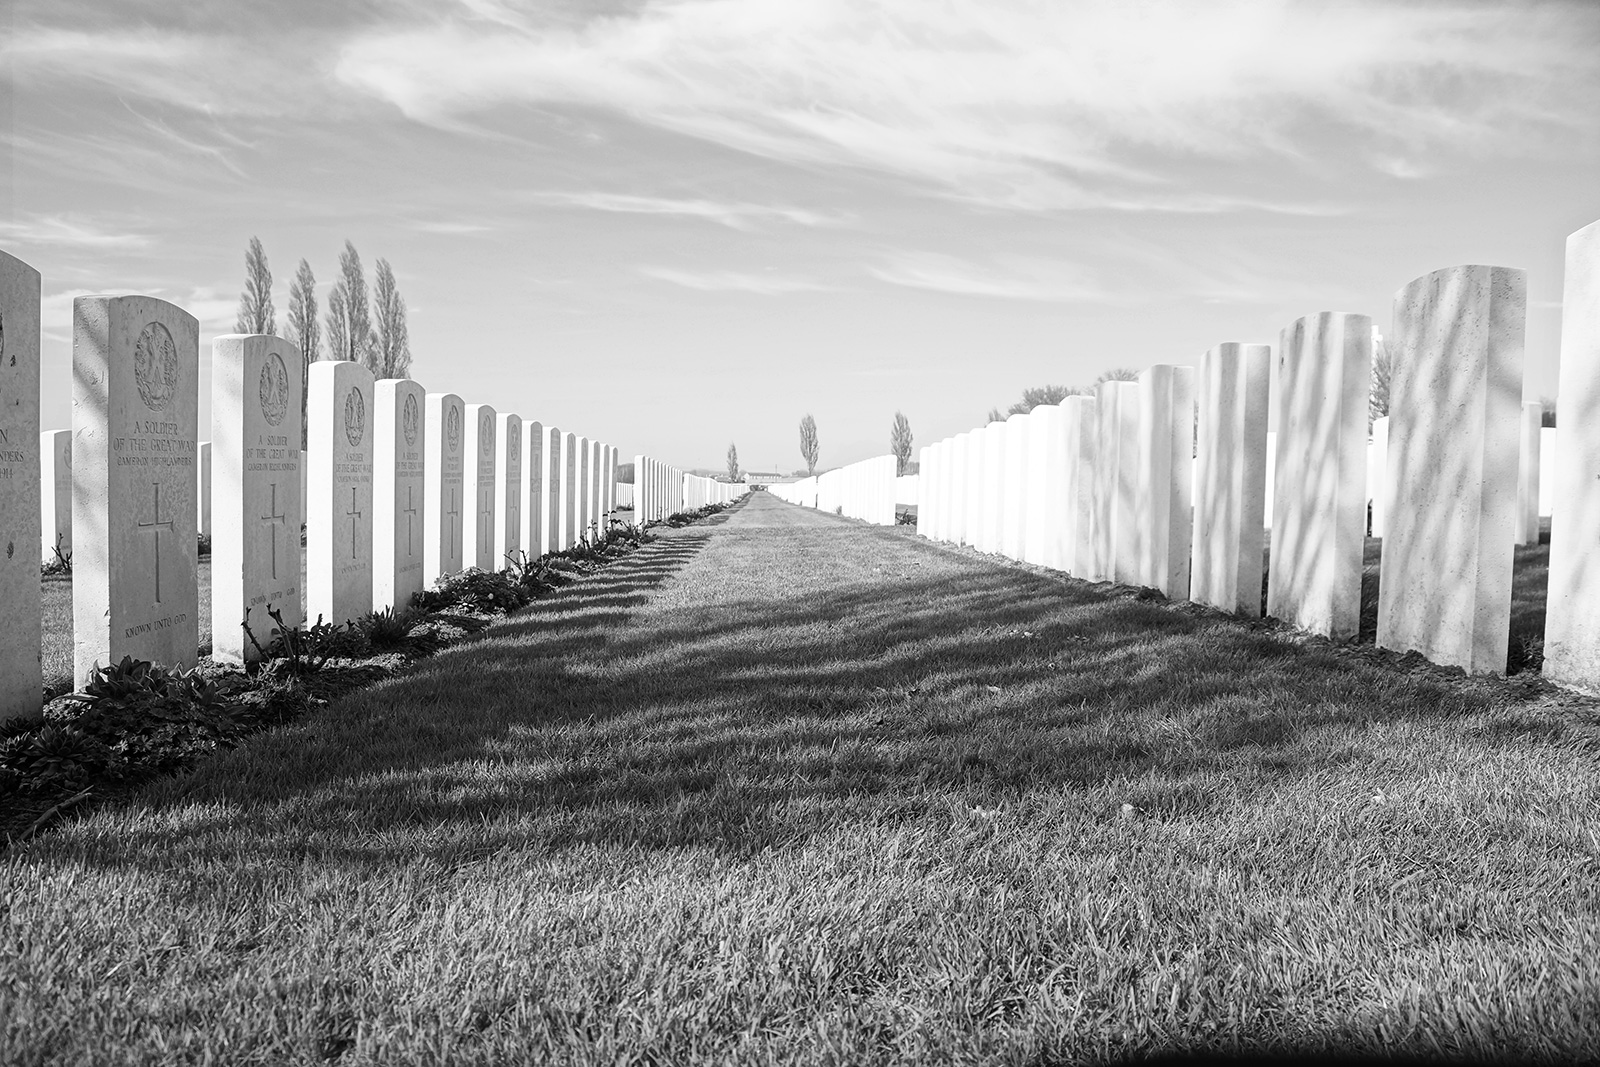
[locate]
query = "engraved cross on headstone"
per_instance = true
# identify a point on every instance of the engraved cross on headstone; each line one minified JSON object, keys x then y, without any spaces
{"x":354,"y":514}
{"x":485,"y":518}
{"x":274,"y":519}
{"x":410,"y":511}
{"x":455,"y":521}
{"x":155,"y":526}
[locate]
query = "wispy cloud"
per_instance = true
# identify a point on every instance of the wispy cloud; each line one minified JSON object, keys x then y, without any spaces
{"x":1045,"y":281}
{"x":453,"y":229}
{"x":738,"y":216}
{"x":70,"y":231}
{"x":732,"y":281}
{"x":1026,"y":104}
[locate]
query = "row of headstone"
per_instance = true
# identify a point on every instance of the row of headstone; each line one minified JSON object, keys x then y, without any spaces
{"x":1451,"y":479}
{"x":396,"y":488}
{"x":862,"y":490}
{"x":699,"y":491}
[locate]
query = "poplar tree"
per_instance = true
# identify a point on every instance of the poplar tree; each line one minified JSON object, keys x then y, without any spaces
{"x":256,"y":314}
{"x":349,"y":318}
{"x":809,"y":450}
{"x":900,"y":442}
{"x":302,"y":331}
{"x":733,"y":462}
{"x":391,"y":348}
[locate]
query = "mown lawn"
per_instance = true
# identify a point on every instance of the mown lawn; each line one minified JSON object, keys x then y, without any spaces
{"x":786,"y":788}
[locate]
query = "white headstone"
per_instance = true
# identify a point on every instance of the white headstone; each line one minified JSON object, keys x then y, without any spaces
{"x":1118,"y":533}
{"x":535,"y":474}
{"x":480,"y":456}
{"x":1455,"y":405}
{"x":927,"y":466}
{"x":1076,"y":545}
{"x":21,"y":679}
{"x":509,"y":542}
{"x":135,"y":403}
{"x":55,"y":494}
{"x":1319,"y":500}
{"x":203,"y":490}
{"x":1231,"y":477}
{"x":958,"y":490}
{"x":1572,"y":615}
{"x":399,"y":445}
{"x":1378,"y":475}
{"x":339,"y":504}
{"x":1527,"y":532}
{"x":444,"y":430}
{"x":1045,"y":482}
{"x":256,"y":510}
{"x":585,"y":529}
{"x":595,"y":506}
{"x":1014,"y":518}
{"x":1166,"y":477}
{"x":552,"y":489}
{"x":992,"y":513}
{"x":569,"y":490}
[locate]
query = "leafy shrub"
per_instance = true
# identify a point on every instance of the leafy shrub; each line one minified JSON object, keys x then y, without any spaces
{"x":486,"y":592}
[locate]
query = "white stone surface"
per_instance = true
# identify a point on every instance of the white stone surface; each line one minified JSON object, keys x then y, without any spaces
{"x":444,"y":433}
{"x":570,"y":492}
{"x":339,"y":501}
{"x":1231,"y":477}
{"x":1549,"y":469}
{"x":1044,"y":484}
{"x":203,"y":491}
{"x":1166,"y":477}
{"x":585,"y":491}
{"x":1319,"y":501}
{"x":480,"y":467}
{"x":596,"y":507}
{"x":1121,"y":550}
{"x":992,"y":509}
{"x":1014,"y":520}
{"x":135,"y":404}
{"x":509,"y":542}
{"x":1572,"y":617}
{"x":535,"y":474}
{"x":1075,"y":544}
{"x":1527,"y":524}
{"x":255,"y":506}
{"x":399,"y":488}
{"x":55,"y":494}
{"x":21,"y":679}
{"x":1378,"y":477}
{"x":1108,"y":445}
{"x":1454,"y":417}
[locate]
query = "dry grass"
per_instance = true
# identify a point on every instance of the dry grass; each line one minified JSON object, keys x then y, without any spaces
{"x":786,"y":788}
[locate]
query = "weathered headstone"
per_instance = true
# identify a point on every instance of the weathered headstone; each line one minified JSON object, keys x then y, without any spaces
{"x":1455,"y":404}
{"x":203,"y":491}
{"x":1014,"y":519}
{"x":399,"y":444}
{"x":536,"y":496}
{"x":569,"y":490}
{"x":1231,"y":477}
{"x":444,"y":430}
{"x":1319,"y":499}
{"x":1572,"y":615}
{"x":21,"y":679}
{"x":480,"y":456}
{"x":255,"y":503}
{"x":135,"y":403}
{"x":55,"y":495}
{"x":509,"y":542}
{"x":1166,"y":477}
{"x":1527,"y":531}
{"x":339,"y":505}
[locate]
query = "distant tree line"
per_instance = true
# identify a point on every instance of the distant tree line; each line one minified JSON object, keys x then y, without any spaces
{"x":370,"y":331}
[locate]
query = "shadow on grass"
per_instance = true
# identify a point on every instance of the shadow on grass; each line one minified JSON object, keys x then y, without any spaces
{"x":626,"y":709}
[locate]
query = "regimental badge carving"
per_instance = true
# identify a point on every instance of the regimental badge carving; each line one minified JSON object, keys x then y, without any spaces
{"x":355,"y":417}
{"x":486,"y":433}
{"x":410,"y":420}
{"x":513,"y":440}
{"x":452,"y":428}
{"x":274,"y":389}
{"x":155,"y":367}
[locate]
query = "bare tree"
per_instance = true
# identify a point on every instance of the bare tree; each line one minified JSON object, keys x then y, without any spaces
{"x":301,"y":330}
{"x":1382,"y":374}
{"x":349,"y":318}
{"x":733,"y":462}
{"x":809,"y":449}
{"x":256,"y":314}
{"x":900,"y":442}
{"x":391,"y":349}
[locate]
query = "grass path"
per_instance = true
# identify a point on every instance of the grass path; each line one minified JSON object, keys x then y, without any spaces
{"x":785,"y":788}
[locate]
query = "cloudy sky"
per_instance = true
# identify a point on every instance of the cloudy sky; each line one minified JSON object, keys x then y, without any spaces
{"x":675,"y":223}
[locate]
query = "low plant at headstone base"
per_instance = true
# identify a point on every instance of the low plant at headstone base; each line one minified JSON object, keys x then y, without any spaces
{"x":203,"y":545}
{"x":60,"y":562}
{"x":298,"y":651}
{"x":905,"y":517}
{"x":398,"y":631}
{"x":482,"y":592}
